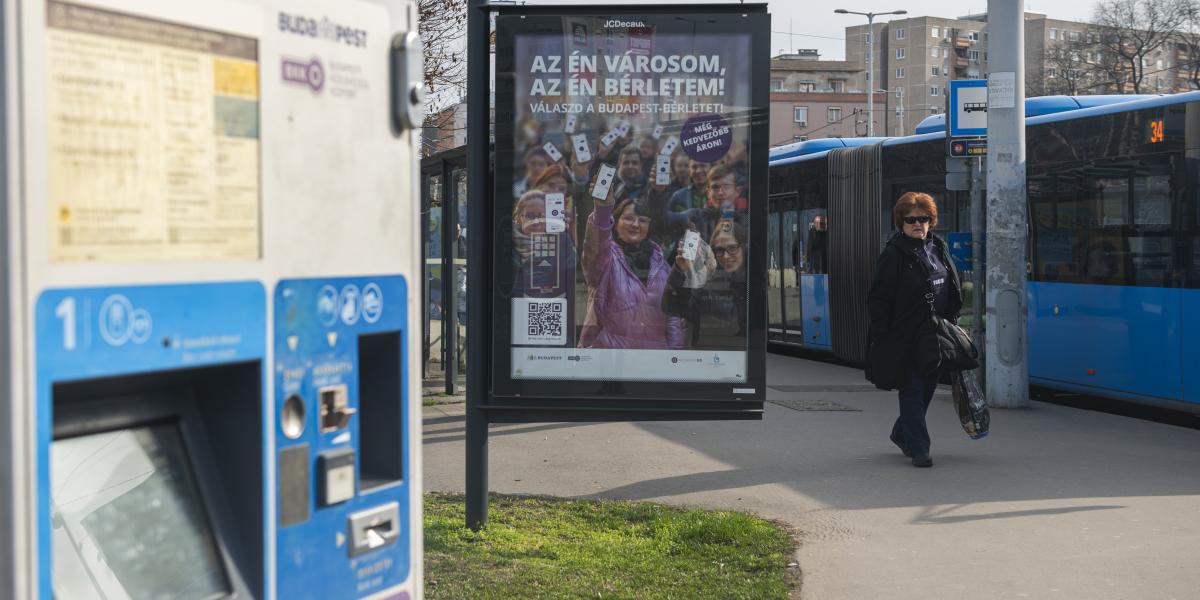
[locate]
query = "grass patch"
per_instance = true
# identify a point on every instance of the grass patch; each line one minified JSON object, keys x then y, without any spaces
{"x":429,"y":401}
{"x":537,"y":547}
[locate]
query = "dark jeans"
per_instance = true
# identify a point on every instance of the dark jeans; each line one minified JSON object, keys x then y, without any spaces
{"x":915,"y":393}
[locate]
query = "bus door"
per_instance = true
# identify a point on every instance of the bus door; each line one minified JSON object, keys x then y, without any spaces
{"x":781,"y":273}
{"x":811,"y":234}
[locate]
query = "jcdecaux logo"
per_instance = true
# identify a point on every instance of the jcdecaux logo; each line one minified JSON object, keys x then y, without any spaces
{"x":617,"y":23}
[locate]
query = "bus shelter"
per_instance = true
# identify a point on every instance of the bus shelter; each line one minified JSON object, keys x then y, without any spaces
{"x":444,"y":254}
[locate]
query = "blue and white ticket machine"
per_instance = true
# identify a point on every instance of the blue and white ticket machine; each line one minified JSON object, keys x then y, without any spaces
{"x":209,"y":283}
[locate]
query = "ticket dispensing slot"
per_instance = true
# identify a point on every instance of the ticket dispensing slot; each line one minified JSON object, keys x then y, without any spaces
{"x":374,"y":528}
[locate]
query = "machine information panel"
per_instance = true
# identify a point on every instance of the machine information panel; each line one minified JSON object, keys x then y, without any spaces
{"x":153,"y":139}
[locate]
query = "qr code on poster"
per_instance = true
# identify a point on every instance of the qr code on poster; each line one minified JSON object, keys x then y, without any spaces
{"x":541,"y":321}
{"x":545,"y":318}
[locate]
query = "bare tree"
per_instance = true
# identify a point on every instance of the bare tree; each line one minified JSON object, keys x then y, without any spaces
{"x":1067,"y":69}
{"x":1130,"y":31}
{"x":1107,"y":72}
{"x":443,"y":35}
{"x":1188,"y":43}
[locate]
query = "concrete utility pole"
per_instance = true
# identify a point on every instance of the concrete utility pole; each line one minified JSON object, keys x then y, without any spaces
{"x":978,"y":185}
{"x":870,"y":61}
{"x":1007,"y":366}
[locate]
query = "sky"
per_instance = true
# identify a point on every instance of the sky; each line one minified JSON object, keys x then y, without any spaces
{"x":813,"y":24}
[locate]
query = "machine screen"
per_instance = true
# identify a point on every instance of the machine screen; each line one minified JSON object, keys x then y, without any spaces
{"x":128,"y":520}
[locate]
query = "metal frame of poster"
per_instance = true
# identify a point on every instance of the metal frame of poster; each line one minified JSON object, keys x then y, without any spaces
{"x":592,"y":314}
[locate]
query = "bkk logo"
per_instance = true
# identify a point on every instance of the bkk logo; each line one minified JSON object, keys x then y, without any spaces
{"x":309,"y":73}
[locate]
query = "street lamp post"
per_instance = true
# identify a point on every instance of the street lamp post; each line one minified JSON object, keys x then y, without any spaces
{"x":870,"y":60}
{"x":900,"y":108}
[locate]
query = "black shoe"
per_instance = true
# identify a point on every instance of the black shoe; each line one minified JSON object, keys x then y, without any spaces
{"x":922,"y":460}
{"x":903,"y":450}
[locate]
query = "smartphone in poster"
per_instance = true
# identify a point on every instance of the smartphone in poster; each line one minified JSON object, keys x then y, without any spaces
{"x":669,"y":147}
{"x":649,"y":90}
{"x":691,"y":244}
{"x":550,"y":149}
{"x":662,"y":170}
{"x":543,"y":264}
{"x":582,"y":152}
{"x":604,"y":179}
{"x":556,"y":213}
{"x":611,"y":137}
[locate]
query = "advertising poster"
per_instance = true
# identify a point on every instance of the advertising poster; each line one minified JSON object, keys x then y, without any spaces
{"x":624,"y":198}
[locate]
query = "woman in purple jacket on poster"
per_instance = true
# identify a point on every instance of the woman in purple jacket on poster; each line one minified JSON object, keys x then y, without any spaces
{"x":626,"y":275}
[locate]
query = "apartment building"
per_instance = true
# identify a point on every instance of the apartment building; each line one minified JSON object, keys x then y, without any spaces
{"x":914,"y":60}
{"x":1055,"y":55}
{"x":444,"y":130}
{"x":813,"y":98}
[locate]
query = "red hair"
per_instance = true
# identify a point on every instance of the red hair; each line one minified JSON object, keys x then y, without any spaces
{"x":550,"y":172}
{"x":911,"y":201}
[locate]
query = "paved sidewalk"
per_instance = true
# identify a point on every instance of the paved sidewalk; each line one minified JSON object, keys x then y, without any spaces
{"x":1056,"y":503}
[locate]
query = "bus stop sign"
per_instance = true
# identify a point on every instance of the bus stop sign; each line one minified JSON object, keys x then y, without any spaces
{"x":968,"y":108}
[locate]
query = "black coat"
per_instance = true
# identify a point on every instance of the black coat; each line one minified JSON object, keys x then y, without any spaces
{"x":722,"y":300}
{"x":900,"y":332}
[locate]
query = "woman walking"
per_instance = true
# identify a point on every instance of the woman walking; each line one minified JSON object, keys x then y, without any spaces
{"x":914,"y":276}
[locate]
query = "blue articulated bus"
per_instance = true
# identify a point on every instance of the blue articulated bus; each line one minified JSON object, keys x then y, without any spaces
{"x":1114,"y":230}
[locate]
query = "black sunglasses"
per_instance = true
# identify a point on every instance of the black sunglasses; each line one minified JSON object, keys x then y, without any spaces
{"x":920,"y":219}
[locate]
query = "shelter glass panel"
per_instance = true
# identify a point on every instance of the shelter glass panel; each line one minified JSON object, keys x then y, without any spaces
{"x":431,"y":208}
{"x":458,"y":187}
{"x":617,"y":271}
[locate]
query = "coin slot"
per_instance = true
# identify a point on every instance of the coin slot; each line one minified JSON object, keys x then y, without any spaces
{"x":291,"y":417}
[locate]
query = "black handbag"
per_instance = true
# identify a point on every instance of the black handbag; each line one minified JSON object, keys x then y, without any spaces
{"x":970,"y":404}
{"x":955,"y":347}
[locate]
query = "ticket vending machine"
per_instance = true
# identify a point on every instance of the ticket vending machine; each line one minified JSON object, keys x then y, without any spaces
{"x":209,"y":263}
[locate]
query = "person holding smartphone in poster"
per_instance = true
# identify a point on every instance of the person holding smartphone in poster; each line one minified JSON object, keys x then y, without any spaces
{"x":626,"y":275}
{"x":544,"y":254}
{"x":721,"y":304}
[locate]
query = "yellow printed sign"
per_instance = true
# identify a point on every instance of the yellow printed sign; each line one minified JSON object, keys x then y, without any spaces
{"x":235,"y":78}
{"x":153,"y":139}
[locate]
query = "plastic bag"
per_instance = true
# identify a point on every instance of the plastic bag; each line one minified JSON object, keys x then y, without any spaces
{"x":970,"y":403}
